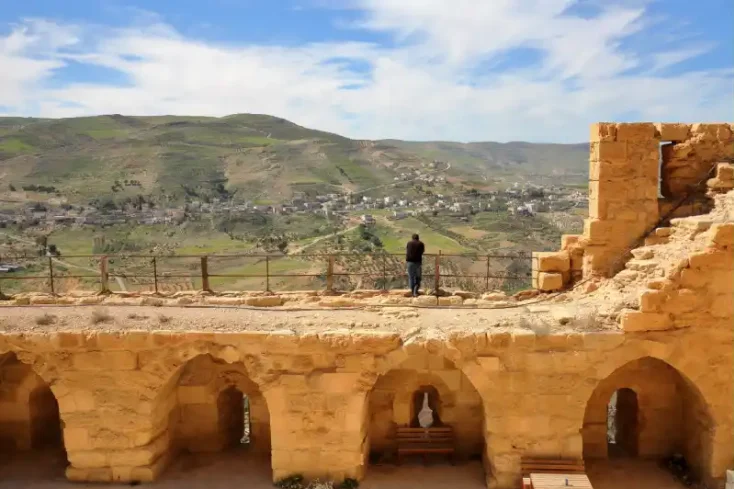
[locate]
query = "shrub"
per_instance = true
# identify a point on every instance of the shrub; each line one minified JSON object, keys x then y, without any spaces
{"x":349,"y":483}
{"x":136,"y":316}
{"x":163,"y":319}
{"x":292,"y":482}
{"x":101,"y":316}
{"x":45,"y":319}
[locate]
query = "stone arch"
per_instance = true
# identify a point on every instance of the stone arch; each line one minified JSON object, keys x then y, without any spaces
{"x":389,"y":402}
{"x":30,"y":419}
{"x":672,"y":415}
{"x":187,"y":411}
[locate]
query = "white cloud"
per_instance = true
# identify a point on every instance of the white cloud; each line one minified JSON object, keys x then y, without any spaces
{"x":432,"y":83}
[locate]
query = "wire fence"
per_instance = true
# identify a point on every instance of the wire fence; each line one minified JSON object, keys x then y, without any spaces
{"x":165,"y":274}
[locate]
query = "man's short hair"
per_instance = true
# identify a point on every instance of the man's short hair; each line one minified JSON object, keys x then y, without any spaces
{"x":415,"y":236}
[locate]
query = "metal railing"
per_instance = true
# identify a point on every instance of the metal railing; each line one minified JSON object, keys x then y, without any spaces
{"x":274,"y":272}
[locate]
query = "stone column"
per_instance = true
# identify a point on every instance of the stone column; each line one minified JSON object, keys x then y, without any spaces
{"x":623,"y":193}
{"x":317,"y":427}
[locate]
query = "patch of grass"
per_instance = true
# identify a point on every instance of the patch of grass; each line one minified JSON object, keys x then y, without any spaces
{"x":136,"y":316}
{"x":101,"y":315}
{"x":45,"y":319}
{"x":13,"y":145}
{"x":163,"y":319}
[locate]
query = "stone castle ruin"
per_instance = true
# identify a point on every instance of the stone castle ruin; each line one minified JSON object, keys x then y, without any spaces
{"x":637,"y":309}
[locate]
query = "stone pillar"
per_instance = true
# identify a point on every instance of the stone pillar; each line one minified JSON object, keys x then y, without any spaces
{"x":317,"y":426}
{"x":623,"y":193}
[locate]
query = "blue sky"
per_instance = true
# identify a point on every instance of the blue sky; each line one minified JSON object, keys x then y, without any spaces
{"x":467,"y":70}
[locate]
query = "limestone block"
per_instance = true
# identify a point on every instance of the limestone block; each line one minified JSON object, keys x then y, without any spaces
{"x":610,"y":151}
{"x":693,"y":278}
{"x":684,"y":300}
{"x":139,"y":456}
{"x":721,"y":282}
{"x":673,"y":131}
{"x":453,"y":300}
{"x":88,"y":459}
{"x":723,"y":307}
{"x":722,"y":234}
{"x":108,"y":360}
{"x":77,"y":439}
{"x":425,"y":300}
{"x":721,"y":132}
{"x":195,"y":394}
{"x":548,"y":282}
{"x":76,"y":474}
{"x":603,"y":131}
{"x":632,"y":131}
{"x":264,"y":301}
{"x":569,"y":240}
{"x":652,"y":300}
{"x":634,"y":321}
{"x":489,"y":364}
{"x":558,"y":261}
{"x":712,"y":260}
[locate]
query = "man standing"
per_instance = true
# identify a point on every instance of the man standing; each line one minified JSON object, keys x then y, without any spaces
{"x":414,"y":258}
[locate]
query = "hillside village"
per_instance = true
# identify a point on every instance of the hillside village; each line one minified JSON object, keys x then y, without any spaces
{"x":519,"y":198}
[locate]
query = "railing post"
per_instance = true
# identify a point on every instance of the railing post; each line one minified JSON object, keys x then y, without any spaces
{"x":330,"y":274}
{"x":51,"y":274}
{"x":2,"y":296}
{"x":267,"y":273}
{"x":155,"y":276}
{"x":437,"y":275}
{"x":104,"y":275}
{"x":205,"y":274}
{"x":384,"y":272}
{"x":486,"y":282}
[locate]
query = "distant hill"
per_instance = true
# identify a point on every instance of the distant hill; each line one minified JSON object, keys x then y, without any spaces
{"x":248,"y":156}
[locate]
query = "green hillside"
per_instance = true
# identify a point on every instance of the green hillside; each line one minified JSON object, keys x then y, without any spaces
{"x":245,"y":156}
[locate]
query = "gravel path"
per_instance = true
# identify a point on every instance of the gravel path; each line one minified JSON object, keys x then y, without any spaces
{"x":236,"y":318}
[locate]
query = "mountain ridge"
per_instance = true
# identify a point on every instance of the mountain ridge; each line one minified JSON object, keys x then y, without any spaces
{"x":253,"y":156}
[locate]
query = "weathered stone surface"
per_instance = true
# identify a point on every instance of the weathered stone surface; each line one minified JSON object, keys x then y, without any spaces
{"x":550,"y":281}
{"x":635,"y":321}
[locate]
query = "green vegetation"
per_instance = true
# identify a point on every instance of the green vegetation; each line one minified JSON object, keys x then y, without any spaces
{"x":244,"y":157}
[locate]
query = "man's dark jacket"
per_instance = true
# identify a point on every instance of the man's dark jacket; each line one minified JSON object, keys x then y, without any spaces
{"x":414,"y":251}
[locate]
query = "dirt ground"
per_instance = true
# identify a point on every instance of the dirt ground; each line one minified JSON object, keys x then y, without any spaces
{"x":233,"y":470}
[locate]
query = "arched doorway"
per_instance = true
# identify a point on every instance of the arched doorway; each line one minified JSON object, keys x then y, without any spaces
{"x":31,"y":439}
{"x":647,"y":410}
{"x":394,"y":404}
{"x":218,"y":418}
{"x":622,"y":424}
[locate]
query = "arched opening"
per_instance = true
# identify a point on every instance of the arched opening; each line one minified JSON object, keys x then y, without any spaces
{"x":393,"y":409}
{"x":643,"y":413}
{"x":218,"y":423}
{"x":31,"y":440}
{"x":622,"y":429}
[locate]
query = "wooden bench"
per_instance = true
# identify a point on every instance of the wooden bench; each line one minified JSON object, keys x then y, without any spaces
{"x":425,"y":441}
{"x":549,"y":466}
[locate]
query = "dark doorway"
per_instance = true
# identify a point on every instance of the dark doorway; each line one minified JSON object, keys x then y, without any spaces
{"x":234,"y":418}
{"x":622,"y":424}
{"x":45,"y":420}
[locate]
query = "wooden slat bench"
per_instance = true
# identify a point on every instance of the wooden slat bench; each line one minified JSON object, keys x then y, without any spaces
{"x":425,"y":441}
{"x":537,"y":465}
{"x":552,"y":466}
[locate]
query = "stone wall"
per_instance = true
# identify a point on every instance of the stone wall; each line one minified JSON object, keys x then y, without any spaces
{"x":126,"y":398}
{"x":626,"y":177}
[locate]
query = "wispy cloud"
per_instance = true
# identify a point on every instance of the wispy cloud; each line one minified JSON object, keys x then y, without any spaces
{"x":448,"y":74}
